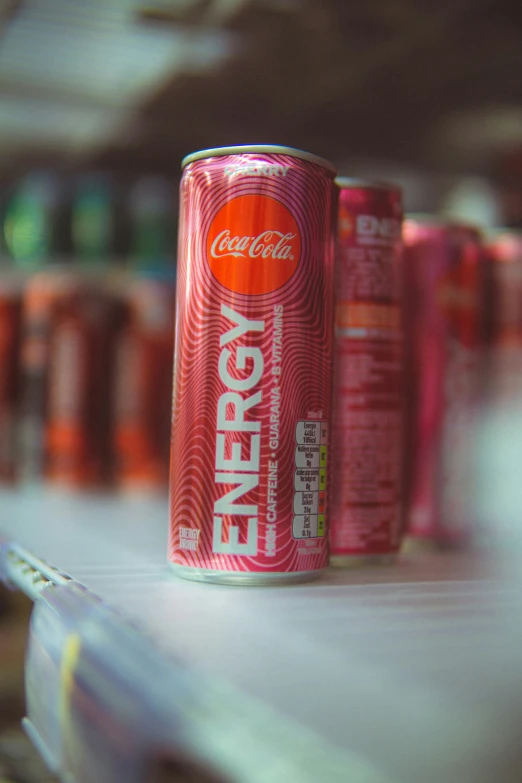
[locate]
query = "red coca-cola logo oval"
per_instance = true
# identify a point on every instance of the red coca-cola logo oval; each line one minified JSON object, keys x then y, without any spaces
{"x":253,"y":245}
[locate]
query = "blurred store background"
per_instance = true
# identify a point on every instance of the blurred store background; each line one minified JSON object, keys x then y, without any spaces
{"x":428,"y":93}
{"x":100,"y":100}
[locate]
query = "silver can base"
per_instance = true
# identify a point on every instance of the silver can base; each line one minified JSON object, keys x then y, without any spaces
{"x":246,"y":579}
{"x":359,"y":561}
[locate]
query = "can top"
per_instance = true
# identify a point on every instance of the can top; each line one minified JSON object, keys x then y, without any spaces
{"x":440,"y":221}
{"x":429,"y":219}
{"x":357,"y":182}
{"x":271,"y":149}
{"x":499,"y":232}
{"x":440,"y":228}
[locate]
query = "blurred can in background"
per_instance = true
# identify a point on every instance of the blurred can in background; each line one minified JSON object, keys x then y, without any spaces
{"x":82,"y":347}
{"x":504,"y":316}
{"x":253,"y":361}
{"x":10,"y":333}
{"x":445,"y":278}
{"x":368,"y":422}
{"x":42,"y":292}
{"x":145,"y":343}
{"x":82,"y":344}
{"x":69,"y":324}
{"x":143,"y":385}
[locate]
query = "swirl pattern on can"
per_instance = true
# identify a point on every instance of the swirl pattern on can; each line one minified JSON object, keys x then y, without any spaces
{"x":444,"y":273}
{"x":252,"y":371}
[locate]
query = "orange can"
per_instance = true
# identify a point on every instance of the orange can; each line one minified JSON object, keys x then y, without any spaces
{"x":42,"y":292}
{"x":70,"y":322}
{"x":143,"y":385}
{"x":81,"y":362}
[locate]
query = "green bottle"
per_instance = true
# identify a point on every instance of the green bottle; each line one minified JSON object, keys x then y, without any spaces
{"x":150,"y":211}
{"x":30,"y":218}
{"x":93,"y":221}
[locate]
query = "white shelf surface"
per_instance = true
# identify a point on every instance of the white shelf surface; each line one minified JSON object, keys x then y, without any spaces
{"x":414,"y":670}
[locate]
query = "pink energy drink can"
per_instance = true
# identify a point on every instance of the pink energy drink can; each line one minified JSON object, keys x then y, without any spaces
{"x":252,"y":369}
{"x":444,"y":271}
{"x":367,"y":429}
{"x":504,"y":317}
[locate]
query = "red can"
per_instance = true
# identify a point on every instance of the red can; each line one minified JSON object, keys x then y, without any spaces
{"x":367,"y":432}
{"x":10,"y":332}
{"x":444,"y":267}
{"x":504,"y":316}
{"x":69,"y":322}
{"x":252,"y":374}
{"x":143,"y":385}
{"x":79,"y":385}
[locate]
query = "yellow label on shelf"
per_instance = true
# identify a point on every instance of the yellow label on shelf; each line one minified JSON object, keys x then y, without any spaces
{"x":70,"y":658}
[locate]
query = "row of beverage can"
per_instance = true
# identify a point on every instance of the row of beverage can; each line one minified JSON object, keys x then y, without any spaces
{"x":85,"y":378}
{"x":92,"y":217}
{"x":330,"y":364}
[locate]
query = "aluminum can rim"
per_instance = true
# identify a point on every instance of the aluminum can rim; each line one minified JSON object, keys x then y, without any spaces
{"x":441,"y":222}
{"x":274,"y":149}
{"x":347,"y":183}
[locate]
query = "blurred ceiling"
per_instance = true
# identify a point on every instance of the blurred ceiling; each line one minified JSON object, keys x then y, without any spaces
{"x":136,"y":84}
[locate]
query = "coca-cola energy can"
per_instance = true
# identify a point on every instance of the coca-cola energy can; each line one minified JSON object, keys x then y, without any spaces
{"x":252,"y":368}
{"x":444,"y":271}
{"x":367,"y":428}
